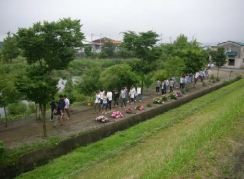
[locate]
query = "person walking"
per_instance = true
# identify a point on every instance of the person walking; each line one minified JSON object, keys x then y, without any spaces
{"x":53,"y":106}
{"x":123,"y":97}
{"x":116,"y":97}
{"x":61,"y":103}
{"x":163,"y":87}
{"x":66,"y":107}
{"x":97,"y":102}
{"x":181,"y":81}
{"x":126,"y":94}
{"x":101,"y":95}
{"x":138,"y":90}
{"x":110,"y":97}
{"x":132,"y":94}
{"x":171,"y":85}
{"x":158,"y":83}
{"x":58,"y":113}
{"x":105,"y":103}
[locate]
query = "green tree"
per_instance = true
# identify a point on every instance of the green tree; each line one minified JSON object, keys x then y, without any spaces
{"x":47,"y":47}
{"x":10,"y":49}
{"x":89,"y":82}
{"x":9,"y":93}
{"x":143,"y":45}
{"x":103,"y":55}
{"x":118,"y":76}
{"x":109,"y":48}
{"x":219,"y":58}
{"x":69,"y":89}
{"x":88,"y":50}
{"x":174,"y":66}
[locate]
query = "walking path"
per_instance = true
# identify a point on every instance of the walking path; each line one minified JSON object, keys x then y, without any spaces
{"x":28,"y":130}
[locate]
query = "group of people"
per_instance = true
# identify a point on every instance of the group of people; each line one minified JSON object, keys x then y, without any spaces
{"x":103,"y":99}
{"x":180,"y":82}
{"x":59,"y":109}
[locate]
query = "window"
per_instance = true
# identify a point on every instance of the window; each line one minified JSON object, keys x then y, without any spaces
{"x":231,"y":62}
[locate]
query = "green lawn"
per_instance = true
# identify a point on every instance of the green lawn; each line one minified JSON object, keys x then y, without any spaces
{"x":184,"y":142}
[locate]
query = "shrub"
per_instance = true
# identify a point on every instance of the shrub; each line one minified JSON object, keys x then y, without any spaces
{"x":157,"y":100}
{"x":79,"y":97}
{"x":149,"y":104}
{"x":187,"y":90}
{"x":212,"y":77}
{"x":2,"y":148}
{"x":117,"y":115}
{"x":178,"y":94}
{"x":182,"y":91}
{"x":164,"y":98}
{"x":139,"y":107}
{"x":31,"y":108}
{"x":217,"y":79}
{"x":128,"y":110}
{"x":203,"y":84}
{"x":172,"y":96}
{"x":17,"y":108}
{"x":213,"y":81}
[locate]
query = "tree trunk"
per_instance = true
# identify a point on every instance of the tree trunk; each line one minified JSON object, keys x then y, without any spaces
{"x":36,"y":112}
{"x":142,"y":85}
{"x":6,"y":117}
{"x":44,"y":120}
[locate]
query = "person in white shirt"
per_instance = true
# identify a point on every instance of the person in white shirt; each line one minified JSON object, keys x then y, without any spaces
{"x":110,"y":97}
{"x":171,"y":85}
{"x":181,"y":81}
{"x":132,"y":94}
{"x":105,"y":102}
{"x":66,"y":107}
{"x":101,"y":97}
{"x":97,"y":102}
{"x":138,"y":90}
{"x":167,"y":85}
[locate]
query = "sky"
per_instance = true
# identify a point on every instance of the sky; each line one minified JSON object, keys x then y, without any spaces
{"x":209,"y":21}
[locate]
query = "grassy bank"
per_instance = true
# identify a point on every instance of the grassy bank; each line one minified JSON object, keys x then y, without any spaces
{"x":178,"y":143}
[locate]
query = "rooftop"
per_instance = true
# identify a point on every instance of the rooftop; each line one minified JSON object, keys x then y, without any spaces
{"x":238,"y":43}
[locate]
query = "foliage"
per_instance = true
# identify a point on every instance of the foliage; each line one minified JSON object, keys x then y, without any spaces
{"x":139,"y":107}
{"x":172,"y":96}
{"x":102,"y":119}
{"x":89,"y":82}
{"x":10,"y":49}
{"x":88,"y":50}
{"x":31,"y":108}
{"x":157,"y":100}
{"x":203,"y":83}
{"x":17,"y":108}
{"x":164,"y":98}
{"x":2,"y":149}
{"x":219,"y":57}
{"x":149,"y":104}
{"x":69,"y":89}
{"x":129,"y":110}
{"x":178,"y":94}
{"x":174,"y":66}
{"x":108,"y":48}
{"x":103,"y":55}
{"x":117,"y":76}
{"x":148,"y":80}
{"x":47,"y":47}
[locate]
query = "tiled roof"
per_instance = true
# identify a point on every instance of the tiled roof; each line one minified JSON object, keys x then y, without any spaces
{"x":238,"y":43}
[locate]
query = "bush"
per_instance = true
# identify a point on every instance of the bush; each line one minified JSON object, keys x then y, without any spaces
{"x":213,"y":81}
{"x":149,"y":104}
{"x":182,"y":91}
{"x":172,"y":96}
{"x":217,"y":79}
{"x":187,"y":90}
{"x":79,"y":97}
{"x":32,"y":108}
{"x":203,"y":84}
{"x":212,"y":77}
{"x":2,"y":148}
{"x":157,"y":100}
{"x":164,"y":98}
{"x":17,"y":108}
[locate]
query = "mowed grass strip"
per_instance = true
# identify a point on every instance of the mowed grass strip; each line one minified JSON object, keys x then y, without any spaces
{"x":151,"y":148}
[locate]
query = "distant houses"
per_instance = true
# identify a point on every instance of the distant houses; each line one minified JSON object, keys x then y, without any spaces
{"x":235,"y":53}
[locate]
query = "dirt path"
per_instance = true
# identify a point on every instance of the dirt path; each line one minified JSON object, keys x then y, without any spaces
{"x":28,"y":130}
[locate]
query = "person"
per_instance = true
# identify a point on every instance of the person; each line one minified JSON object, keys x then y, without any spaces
{"x":97,"y":102}
{"x":61,"y":103}
{"x":116,"y":97}
{"x":181,"y":81}
{"x":174,"y":79}
{"x":58,"y":113}
{"x":105,"y":102}
{"x":132,"y":94}
{"x":66,"y":107}
{"x":138,"y":90}
{"x":126,"y":94}
{"x":101,"y":99}
{"x":110,"y":97}
{"x":53,"y":106}
{"x":196,"y":77}
{"x":171,"y":85}
{"x":123,"y":97}
{"x":163,"y":87}
{"x":201,"y":75}
{"x":167,"y":85}
{"x":157,"y":86}
{"x":177,"y":81}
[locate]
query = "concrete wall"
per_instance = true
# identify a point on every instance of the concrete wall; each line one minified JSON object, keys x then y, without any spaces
{"x":44,"y":155}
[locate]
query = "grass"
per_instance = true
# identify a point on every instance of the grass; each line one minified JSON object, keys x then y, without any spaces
{"x":168,"y":145}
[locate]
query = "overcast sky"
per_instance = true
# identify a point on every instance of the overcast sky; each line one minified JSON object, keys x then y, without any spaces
{"x":210,"y":21}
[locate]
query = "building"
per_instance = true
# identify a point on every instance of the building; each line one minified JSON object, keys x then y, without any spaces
{"x":235,"y":53}
{"x":97,"y":44}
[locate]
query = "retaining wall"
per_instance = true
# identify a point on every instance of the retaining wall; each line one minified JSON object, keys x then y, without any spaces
{"x":44,"y":155}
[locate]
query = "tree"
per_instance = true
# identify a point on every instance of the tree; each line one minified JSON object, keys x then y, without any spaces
{"x":89,"y":82}
{"x":8,"y":92}
{"x":219,"y":58}
{"x":118,"y":76}
{"x":103,"y":54}
{"x":47,"y":47}
{"x":88,"y":50}
{"x":10,"y":49}
{"x":174,"y":66}
{"x":143,"y":45}
{"x":109,"y":48}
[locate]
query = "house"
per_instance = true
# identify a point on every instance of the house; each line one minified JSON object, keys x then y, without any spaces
{"x":97,"y":44}
{"x":235,"y":53}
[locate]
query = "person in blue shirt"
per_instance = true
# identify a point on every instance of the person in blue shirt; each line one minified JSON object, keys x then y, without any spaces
{"x":58,"y":113}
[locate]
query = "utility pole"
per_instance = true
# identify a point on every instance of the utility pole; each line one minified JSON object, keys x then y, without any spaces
{"x":100,"y":42}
